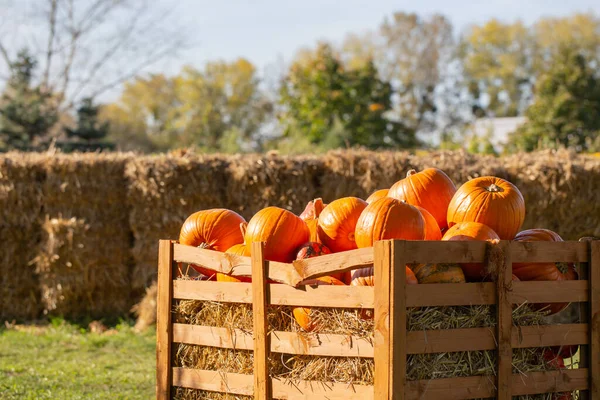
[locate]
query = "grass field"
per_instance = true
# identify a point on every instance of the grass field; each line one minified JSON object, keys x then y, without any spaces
{"x":64,"y":361}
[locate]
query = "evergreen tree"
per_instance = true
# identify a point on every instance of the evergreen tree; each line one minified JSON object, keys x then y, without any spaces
{"x":89,"y":132}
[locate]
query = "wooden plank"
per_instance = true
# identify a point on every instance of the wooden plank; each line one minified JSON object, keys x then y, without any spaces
{"x":471,"y":387}
{"x":444,"y":252}
{"x":398,"y":320}
{"x":584,"y":318}
{"x":550,"y":335}
{"x":262,"y":387}
{"x":241,"y":384}
{"x":565,"y":380}
{"x":594,"y":315}
{"x":483,"y":386}
{"x":549,"y":252}
{"x":450,"y":294}
{"x":381,"y":336}
{"x":334,"y":263}
{"x":309,"y":296}
{"x":501,"y":255}
{"x":163,"y":320}
{"x":281,"y":342}
{"x":549,"y":292}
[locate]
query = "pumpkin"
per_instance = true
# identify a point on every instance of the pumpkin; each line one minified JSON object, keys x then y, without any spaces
{"x":432,"y":230}
{"x":491,"y":201}
{"x":566,"y":351}
{"x":215,"y":229}
{"x":438,"y":273}
{"x":431,"y":189}
{"x":337,"y":223}
{"x":468,"y":231}
{"x":388,"y":218}
{"x":313,"y":249}
{"x":310,"y":215}
{"x":365,"y":277}
{"x":544,"y":271}
{"x":238,"y":250}
{"x":376,"y":195}
{"x":281,"y":230}
{"x":302,"y":315}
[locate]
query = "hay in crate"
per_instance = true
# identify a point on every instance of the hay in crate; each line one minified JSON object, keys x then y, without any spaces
{"x":77,"y":272}
{"x":162,"y":191}
{"x":350,"y":370}
{"x":21,"y":176}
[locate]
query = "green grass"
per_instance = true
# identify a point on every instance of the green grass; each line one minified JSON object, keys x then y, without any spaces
{"x":64,"y":361}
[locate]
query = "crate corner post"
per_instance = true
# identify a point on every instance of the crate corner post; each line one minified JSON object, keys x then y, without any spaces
{"x":260,"y":301}
{"x":164,"y":328}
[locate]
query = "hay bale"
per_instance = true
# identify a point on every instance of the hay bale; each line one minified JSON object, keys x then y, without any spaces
{"x":145,"y":310}
{"x":21,"y":176}
{"x":162,"y":191}
{"x":78,"y":274}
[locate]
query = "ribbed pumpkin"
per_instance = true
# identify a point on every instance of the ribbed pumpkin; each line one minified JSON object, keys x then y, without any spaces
{"x":302,"y":315}
{"x":281,"y":230}
{"x":215,"y":229}
{"x":376,"y":195}
{"x":469,"y":231}
{"x":310,"y":215}
{"x":432,"y":230}
{"x":491,"y":201}
{"x":544,"y":271}
{"x":388,"y":218}
{"x":431,"y":189}
{"x":438,"y":273}
{"x":238,"y":250}
{"x":337,"y":223}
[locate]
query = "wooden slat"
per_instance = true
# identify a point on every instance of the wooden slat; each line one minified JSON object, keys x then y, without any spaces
{"x":241,"y":384}
{"x":549,"y":335}
{"x":163,"y":320}
{"x":448,"y":340}
{"x":281,"y":342}
{"x":584,"y":318}
{"x":333,"y":263}
{"x":398,"y":320}
{"x":483,"y":386}
{"x":565,"y":380}
{"x":549,"y":252}
{"x":309,"y":296}
{"x":262,"y":387}
{"x":445,"y":252}
{"x":450,"y":294}
{"x":549,"y":292}
{"x":594,"y":309}
{"x":382,"y":276}
{"x":500,"y":254}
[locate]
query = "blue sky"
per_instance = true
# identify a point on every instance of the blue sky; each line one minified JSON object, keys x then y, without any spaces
{"x":267,"y":30}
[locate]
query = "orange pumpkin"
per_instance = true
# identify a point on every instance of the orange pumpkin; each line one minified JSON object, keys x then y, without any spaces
{"x":376,"y":195}
{"x":238,"y":250}
{"x":432,"y":230}
{"x":431,"y":189}
{"x":216,"y":229}
{"x":438,"y":273}
{"x":469,"y":231}
{"x":310,"y":215}
{"x":281,"y":230}
{"x":337,"y":223}
{"x":491,"y":201}
{"x":388,"y":218}
{"x":544,"y":271}
{"x":302,"y":315}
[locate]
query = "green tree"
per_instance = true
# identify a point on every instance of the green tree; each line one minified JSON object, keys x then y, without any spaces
{"x":320,"y":92}
{"x":89,"y":132}
{"x":566,"y":110}
{"x":26,"y":111}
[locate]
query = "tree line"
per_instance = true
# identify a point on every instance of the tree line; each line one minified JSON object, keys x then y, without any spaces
{"x":412,"y":82}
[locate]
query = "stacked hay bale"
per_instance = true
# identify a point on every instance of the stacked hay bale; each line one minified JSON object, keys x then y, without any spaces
{"x":162,"y":192}
{"x":21,"y":176}
{"x":85,"y":201}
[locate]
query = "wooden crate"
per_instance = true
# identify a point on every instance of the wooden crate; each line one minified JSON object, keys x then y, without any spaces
{"x":390,"y":298}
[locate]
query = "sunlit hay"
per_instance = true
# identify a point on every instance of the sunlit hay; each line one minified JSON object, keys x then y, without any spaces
{"x":145,"y":310}
{"x":339,"y":321}
{"x":193,"y":394}
{"x":350,"y":370}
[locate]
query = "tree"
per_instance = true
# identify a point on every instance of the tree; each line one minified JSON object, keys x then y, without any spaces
{"x":89,"y":133}
{"x":320,"y":92}
{"x":566,"y":111}
{"x":26,"y":112}
{"x":87,"y":48}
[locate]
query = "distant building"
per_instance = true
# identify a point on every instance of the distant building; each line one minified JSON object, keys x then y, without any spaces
{"x":499,"y":128}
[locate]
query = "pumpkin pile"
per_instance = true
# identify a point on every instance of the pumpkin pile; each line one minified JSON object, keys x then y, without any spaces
{"x":424,"y":205}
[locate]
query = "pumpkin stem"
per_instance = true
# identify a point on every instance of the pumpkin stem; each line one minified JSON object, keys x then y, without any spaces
{"x":494,"y":188}
{"x":410,"y":172}
{"x":243,"y":227}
